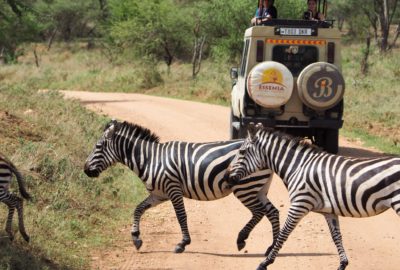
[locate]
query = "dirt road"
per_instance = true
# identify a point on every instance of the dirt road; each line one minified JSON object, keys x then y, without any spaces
{"x":371,"y":243}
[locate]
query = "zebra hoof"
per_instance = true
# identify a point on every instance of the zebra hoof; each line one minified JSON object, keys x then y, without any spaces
{"x":179,"y":249}
{"x":241,"y":245}
{"x":261,"y":267}
{"x":343,"y":265}
{"x":138,"y":243}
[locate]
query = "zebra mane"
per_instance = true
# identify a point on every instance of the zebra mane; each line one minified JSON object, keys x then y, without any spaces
{"x":295,"y":141}
{"x":137,"y":131}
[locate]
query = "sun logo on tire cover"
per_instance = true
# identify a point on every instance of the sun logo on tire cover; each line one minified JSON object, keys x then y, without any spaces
{"x":272,"y":75}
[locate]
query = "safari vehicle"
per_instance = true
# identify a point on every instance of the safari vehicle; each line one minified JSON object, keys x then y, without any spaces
{"x":290,"y":79}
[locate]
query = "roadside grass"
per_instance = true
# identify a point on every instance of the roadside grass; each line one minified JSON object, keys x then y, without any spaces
{"x":48,"y":139}
{"x":371,"y":111}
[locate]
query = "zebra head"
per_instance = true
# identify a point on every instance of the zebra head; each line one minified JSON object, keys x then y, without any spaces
{"x":103,"y":154}
{"x":249,"y":158}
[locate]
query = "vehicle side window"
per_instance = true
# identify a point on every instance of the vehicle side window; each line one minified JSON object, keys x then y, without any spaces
{"x":244,"y":58}
{"x":295,"y":58}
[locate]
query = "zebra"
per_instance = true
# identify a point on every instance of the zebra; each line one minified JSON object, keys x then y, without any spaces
{"x":7,"y":170}
{"x":317,"y":181}
{"x":173,"y":170}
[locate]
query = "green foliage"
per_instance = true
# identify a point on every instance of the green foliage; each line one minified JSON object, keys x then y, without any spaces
{"x":68,"y":19}
{"x":15,"y":29}
{"x":155,"y":29}
{"x":291,"y":9}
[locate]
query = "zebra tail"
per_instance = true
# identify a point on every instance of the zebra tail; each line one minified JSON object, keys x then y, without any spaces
{"x":20,"y":180}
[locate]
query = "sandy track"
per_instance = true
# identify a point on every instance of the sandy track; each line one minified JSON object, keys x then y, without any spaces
{"x":371,"y":243}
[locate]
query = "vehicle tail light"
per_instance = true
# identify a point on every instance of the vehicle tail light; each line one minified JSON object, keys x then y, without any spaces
{"x":331,"y":52}
{"x":260,"y":51}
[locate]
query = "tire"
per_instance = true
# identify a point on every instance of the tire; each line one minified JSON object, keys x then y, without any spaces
{"x":327,"y":139}
{"x":233,"y":132}
{"x":331,"y":144}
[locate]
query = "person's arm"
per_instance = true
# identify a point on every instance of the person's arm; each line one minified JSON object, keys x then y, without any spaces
{"x":321,"y":16}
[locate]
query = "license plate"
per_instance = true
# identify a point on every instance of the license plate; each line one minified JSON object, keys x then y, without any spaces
{"x":295,"y":31}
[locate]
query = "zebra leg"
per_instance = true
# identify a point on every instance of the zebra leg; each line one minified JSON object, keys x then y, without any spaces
{"x":295,"y":214}
{"x":396,"y":205}
{"x":255,"y":199}
{"x":257,"y":215}
{"x":176,"y":197}
{"x":333,"y":224}
{"x":11,"y":209}
{"x":258,"y":210}
{"x":273,"y":216}
{"x":148,"y":203}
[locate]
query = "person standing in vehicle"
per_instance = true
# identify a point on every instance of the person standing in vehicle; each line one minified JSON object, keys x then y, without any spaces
{"x":312,"y":12}
{"x":267,"y":12}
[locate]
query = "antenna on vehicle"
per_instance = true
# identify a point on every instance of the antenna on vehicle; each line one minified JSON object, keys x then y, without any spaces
{"x":325,"y":8}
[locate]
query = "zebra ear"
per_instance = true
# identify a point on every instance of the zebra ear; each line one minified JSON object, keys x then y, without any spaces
{"x":259,"y":126}
{"x":251,"y":131}
{"x":114,"y":126}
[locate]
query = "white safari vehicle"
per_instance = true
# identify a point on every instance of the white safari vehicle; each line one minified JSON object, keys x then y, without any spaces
{"x":290,"y":79}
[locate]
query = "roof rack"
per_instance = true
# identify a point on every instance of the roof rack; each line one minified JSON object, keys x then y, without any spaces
{"x":307,"y":23}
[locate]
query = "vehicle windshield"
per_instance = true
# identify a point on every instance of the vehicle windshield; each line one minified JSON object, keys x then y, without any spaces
{"x":295,"y":58}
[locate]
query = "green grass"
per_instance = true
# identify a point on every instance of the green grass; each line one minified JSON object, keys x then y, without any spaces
{"x":372,"y":112}
{"x":49,"y":139}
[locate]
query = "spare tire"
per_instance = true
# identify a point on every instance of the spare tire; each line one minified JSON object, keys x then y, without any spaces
{"x":270,"y":84}
{"x":320,"y":86}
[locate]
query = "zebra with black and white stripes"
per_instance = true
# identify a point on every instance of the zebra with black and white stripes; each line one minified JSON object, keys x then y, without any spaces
{"x":317,"y":181}
{"x":7,"y":170}
{"x":173,"y":170}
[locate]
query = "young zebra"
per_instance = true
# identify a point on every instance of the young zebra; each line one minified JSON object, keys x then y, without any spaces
{"x":320,"y":182}
{"x":7,"y":169}
{"x":173,"y":170}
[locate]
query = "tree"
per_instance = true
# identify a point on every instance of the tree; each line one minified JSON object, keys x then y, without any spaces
{"x":17,"y":25}
{"x":156,"y":29}
{"x":379,"y":14}
{"x":386,"y":9}
{"x":68,"y":19}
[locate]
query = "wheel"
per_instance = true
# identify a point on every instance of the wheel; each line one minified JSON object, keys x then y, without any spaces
{"x":327,"y":139}
{"x":234,"y":133}
{"x":331,"y":144}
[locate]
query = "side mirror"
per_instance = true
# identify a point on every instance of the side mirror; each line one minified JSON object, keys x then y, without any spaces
{"x":234,"y":73}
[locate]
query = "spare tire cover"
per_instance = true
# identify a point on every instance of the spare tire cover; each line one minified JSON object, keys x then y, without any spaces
{"x":320,"y":85}
{"x":270,"y":84}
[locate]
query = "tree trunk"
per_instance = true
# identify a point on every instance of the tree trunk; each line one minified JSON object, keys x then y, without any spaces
{"x":395,"y":37}
{"x":385,"y":20}
{"x":2,"y":57}
{"x":52,"y":38}
{"x":103,"y":9}
{"x":197,"y":55}
{"x":36,"y":57}
{"x":168,"y":57}
{"x":364,"y":61}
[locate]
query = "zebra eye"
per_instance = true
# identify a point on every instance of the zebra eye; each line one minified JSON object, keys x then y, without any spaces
{"x":242,"y":151}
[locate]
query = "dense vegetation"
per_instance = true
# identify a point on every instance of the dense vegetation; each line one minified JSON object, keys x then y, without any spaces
{"x":153,"y":47}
